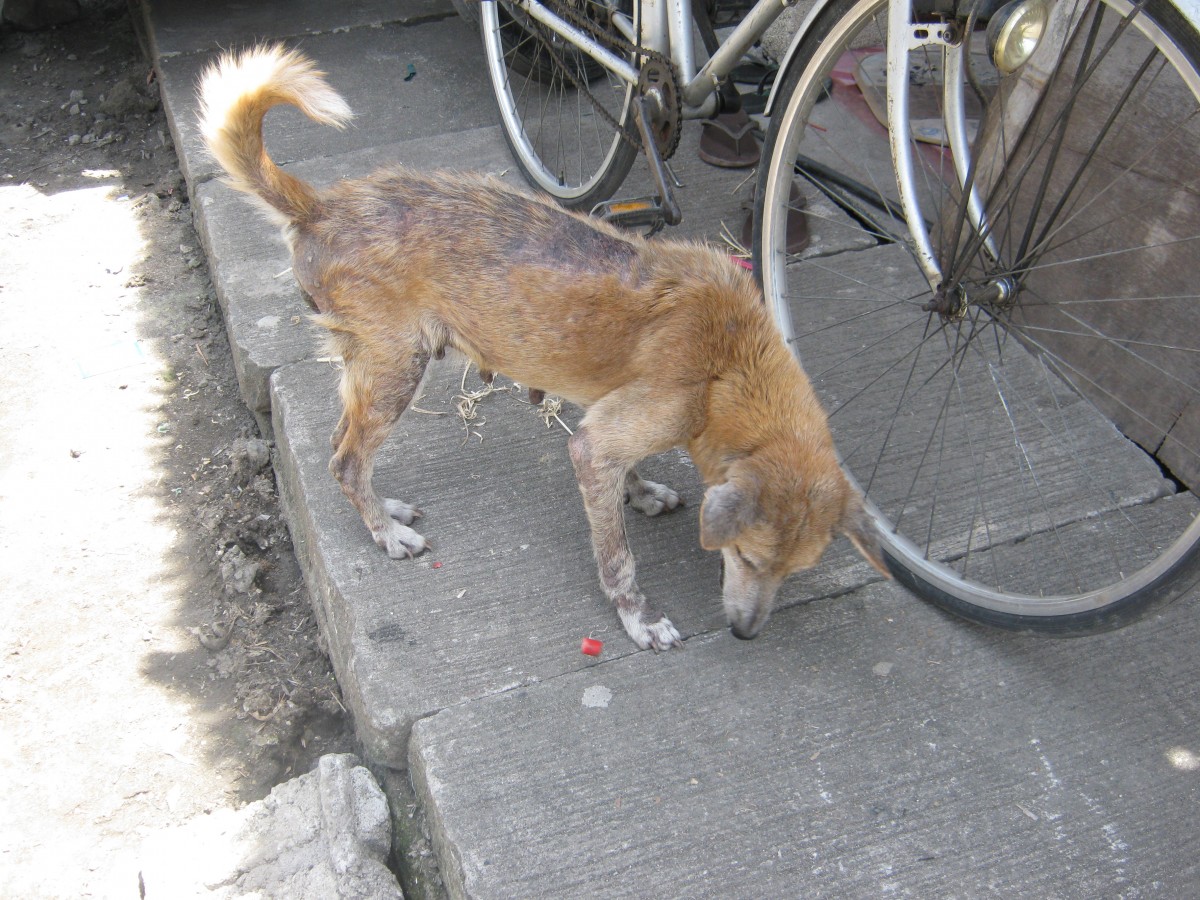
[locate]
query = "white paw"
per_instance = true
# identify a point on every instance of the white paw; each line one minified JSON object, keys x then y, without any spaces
{"x":401,"y":511}
{"x":651,"y":498}
{"x":401,"y":542}
{"x":659,"y":635}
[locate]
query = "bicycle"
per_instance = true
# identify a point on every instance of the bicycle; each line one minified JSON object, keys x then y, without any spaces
{"x":1006,"y":354}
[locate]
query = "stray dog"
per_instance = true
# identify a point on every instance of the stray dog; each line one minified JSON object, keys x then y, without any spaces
{"x":665,"y":344}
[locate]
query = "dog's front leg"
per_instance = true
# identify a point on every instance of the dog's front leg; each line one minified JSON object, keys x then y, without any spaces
{"x":602,"y":481}
{"x":649,"y":497}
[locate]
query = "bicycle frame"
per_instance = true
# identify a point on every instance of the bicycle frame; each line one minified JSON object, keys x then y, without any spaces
{"x":665,"y":26}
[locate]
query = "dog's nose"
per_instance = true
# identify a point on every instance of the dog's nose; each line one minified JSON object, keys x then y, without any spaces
{"x":741,"y":635}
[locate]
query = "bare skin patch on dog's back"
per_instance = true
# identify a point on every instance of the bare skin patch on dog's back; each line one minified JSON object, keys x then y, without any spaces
{"x":571,"y":246}
{"x":509,"y":230}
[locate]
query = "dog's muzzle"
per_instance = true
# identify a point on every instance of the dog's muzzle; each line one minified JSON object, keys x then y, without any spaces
{"x":734,"y":629}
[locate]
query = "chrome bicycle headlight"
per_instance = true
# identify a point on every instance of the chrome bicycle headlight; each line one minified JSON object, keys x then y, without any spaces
{"x":1014,"y":32}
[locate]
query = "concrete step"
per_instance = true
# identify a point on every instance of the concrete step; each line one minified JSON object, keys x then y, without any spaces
{"x":510,"y":589}
{"x":864,"y":746}
{"x":442,"y":97}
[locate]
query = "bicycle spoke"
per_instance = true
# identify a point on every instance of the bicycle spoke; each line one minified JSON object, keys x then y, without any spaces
{"x":1037,"y":412}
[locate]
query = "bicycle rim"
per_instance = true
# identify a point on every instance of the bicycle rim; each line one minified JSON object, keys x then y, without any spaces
{"x":1029,"y":458}
{"x":559,"y":110}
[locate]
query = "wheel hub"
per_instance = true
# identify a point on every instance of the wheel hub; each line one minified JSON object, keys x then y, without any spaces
{"x":952,"y":301}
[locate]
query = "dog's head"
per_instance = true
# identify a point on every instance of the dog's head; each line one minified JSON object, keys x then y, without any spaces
{"x":775,"y":514}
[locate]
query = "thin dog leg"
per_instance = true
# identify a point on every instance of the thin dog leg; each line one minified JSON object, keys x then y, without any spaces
{"x":602,"y":482}
{"x":649,"y":497}
{"x":372,"y":402}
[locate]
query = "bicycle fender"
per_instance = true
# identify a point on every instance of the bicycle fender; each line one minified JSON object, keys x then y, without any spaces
{"x":789,"y":58}
{"x":1190,"y":9}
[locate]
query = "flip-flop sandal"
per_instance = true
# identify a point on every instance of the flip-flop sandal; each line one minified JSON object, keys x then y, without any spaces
{"x":748,"y":72}
{"x":798,"y":235}
{"x":728,"y":141}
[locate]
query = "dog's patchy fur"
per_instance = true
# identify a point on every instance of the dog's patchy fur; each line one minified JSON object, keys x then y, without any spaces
{"x":666,"y":344}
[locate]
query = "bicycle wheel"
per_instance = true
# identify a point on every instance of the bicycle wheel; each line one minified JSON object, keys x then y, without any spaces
{"x":1028,"y":438}
{"x":567,"y":120}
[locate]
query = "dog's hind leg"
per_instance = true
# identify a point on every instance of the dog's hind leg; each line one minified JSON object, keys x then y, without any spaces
{"x":374,"y":394}
{"x":397,"y":509}
{"x":649,"y":497}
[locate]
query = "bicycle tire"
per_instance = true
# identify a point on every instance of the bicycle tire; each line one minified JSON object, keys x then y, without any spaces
{"x":563,"y":145}
{"x":1026,"y":458}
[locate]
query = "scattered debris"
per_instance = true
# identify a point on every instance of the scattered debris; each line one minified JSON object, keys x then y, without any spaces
{"x":549,"y":409}
{"x":249,"y":456}
{"x":597,"y":697}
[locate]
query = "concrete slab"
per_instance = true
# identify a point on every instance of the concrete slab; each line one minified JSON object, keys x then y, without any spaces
{"x":863,"y":747}
{"x":183,"y":27}
{"x":510,"y":589}
{"x":443,"y":97}
{"x":265,"y":315}
{"x":324,"y":834}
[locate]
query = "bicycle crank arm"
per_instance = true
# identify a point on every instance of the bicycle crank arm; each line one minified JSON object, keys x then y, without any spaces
{"x":658,"y":168}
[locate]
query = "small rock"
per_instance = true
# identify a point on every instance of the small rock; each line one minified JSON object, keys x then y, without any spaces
{"x":249,"y":457}
{"x":33,"y":15}
{"x":238,"y":572}
{"x":125,"y":98}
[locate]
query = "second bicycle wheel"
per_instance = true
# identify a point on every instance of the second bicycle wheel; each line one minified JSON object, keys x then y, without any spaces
{"x":565,"y":117}
{"x":1028,"y":437}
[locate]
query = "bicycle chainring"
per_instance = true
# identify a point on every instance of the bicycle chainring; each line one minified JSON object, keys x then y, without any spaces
{"x":657,"y":83}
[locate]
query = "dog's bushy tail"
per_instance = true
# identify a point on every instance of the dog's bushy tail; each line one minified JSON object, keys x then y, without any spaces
{"x":235,"y":93}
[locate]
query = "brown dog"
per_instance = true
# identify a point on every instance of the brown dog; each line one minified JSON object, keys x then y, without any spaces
{"x":666,"y":344}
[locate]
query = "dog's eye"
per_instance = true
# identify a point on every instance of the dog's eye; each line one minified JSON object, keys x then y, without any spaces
{"x":745,"y":559}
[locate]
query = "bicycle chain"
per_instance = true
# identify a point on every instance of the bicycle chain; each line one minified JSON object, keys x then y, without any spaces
{"x":667,"y":134}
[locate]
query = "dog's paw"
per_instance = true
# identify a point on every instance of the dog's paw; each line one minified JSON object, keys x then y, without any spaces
{"x":401,"y":542}
{"x":401,"y":511}
{"x":652,"y":498}
{"x":658,"y":634}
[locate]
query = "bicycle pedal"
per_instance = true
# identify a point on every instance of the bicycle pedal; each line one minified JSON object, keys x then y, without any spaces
{"x":637,"y":212}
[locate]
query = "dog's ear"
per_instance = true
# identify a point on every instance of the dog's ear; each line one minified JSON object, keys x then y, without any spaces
{"x":857,"y":526}
{"x":726,"y":511}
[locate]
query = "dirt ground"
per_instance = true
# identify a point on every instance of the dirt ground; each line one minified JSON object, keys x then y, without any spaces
{"x":158,"y":656}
